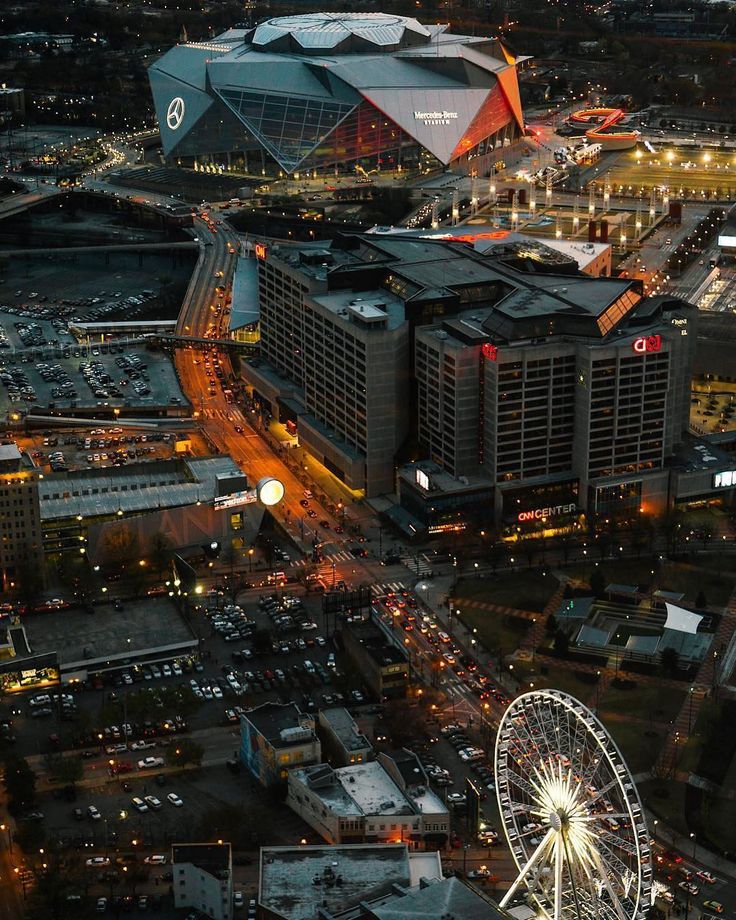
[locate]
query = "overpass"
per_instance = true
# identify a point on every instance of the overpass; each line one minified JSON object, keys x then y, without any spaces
{"x":182,"y":341}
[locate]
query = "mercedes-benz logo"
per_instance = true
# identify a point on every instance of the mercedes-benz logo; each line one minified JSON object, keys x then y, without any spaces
{"x":175,"y":113}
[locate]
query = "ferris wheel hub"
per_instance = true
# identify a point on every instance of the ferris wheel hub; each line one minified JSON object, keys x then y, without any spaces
{"x":556,"y":821}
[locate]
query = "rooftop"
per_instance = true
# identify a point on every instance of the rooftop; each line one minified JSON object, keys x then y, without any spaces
{"x":110,"y":635}
{"x":341,"y":722}
{"x":376,"y":644}
{"x":438,"y":901}
{"x":212,"y":857}
{"x":141,"y":486}
{"x":281,"y":724}
{"x":373,"y":790}
{"x":288,"y":877}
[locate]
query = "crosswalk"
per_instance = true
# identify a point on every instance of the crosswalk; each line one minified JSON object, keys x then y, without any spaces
{"x":387,"y":587}
{"x":419,"y":565}
{"x":340,"y":556}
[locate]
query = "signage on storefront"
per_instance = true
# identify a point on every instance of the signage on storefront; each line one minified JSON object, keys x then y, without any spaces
{"x":647,"y":343}
{"x":490,"y":352}
{"x":724,"y":480}
{"x":261,"y":251}
{"x":431,"y":119}
{"x":446,"y":528}
{"x":235,"y":499}
{"x":540,"y":514}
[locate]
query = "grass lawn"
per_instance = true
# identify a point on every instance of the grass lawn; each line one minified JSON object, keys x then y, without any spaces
{"x":557,"y":677}
{"x":522,"y":590}
{"x":643,"y":702}
{"x":495,"y":631}
{"x":639,"y":748}
{"x":710,"y":573}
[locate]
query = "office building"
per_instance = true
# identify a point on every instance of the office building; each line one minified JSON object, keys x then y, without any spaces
{"x":339,"y":92}
{"x":275,"y":737}
{"x":203,"y":878}
{"x":21,"y":540}
{"x":535,"y":392}
{"x":362,"y":803}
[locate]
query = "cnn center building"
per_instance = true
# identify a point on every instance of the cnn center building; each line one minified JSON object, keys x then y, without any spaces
{"x":340,"y":93}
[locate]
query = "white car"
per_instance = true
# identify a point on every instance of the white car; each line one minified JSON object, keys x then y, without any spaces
{"x":148,"y":763}
{"x":98,"y":861}
{"x":456,"y":798}
{"x":706,"y":876}
{"x":216,"y":692}
{"x":152,"y":802}
{"x":175,"y":800}
{"x":94,"y":813}
{"x":238,"y":900}
{"x":166,"y":670}
{"x":156,"y":860}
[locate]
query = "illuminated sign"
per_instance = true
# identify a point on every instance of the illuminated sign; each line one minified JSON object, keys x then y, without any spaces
{"x":445,"y":528}
{"x":431,"y":119}
{"x":261,"y":251}
{"x":679,"y":322}
{"x":539,"y":514}
{"x":647,"y":343}
{"x":724,"y":480}
{"x":175,"y":113}
{"x":235,"y":499}
{"x":422,"y":480}
{"x":489,"y":351}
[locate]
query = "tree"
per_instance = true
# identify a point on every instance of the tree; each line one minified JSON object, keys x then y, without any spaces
{"x":68,"y":770}
{"x":597,"y":582}
{"x":551,"y":625}
{"x":184,"y":752}
{"x":561,"y":643}
{"x":160,"y":549}
{"x":20,"y":783}
{"x":670,"y":660}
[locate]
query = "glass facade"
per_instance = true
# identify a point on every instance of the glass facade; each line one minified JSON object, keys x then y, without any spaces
{"x":288,"y":126}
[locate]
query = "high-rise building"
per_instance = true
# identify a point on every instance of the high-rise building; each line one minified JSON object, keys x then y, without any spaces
{"x":527,"y":390}
{"x":21,"y":540}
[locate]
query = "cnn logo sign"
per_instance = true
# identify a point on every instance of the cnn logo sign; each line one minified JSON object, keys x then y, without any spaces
{"x":647,"y":343}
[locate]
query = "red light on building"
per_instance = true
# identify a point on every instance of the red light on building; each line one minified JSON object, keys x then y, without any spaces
{"x":489,"y":351}
{"x":647,"y":343}
{"x":261,"y":251}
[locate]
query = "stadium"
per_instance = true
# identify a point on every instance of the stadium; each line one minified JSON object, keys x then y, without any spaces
{"x":338,"y":93}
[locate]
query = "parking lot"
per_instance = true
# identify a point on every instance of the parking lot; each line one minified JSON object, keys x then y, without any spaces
{"x":43,"y":362}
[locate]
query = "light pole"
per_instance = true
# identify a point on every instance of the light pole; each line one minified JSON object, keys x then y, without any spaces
{"x":690,"y":713}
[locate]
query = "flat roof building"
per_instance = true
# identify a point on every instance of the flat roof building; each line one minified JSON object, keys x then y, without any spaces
{"x":363,"y":803}
{"x":341,"y":737}
{"x":276,"y":737}
{"x":315,"y":882}
{"x":382,"y":664}
{"x":203,"y":878}
{"x":192,"y":501}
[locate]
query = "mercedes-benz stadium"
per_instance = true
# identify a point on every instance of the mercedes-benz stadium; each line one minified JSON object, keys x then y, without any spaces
{"x":339,"y":92}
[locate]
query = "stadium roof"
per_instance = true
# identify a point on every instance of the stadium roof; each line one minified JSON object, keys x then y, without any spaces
{"x":446,"y":92}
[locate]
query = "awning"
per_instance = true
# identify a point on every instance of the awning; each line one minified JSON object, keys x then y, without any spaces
{"x":682,"y":620}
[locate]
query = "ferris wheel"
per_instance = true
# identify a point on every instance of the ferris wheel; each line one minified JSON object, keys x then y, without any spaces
{"x":571,"y":813}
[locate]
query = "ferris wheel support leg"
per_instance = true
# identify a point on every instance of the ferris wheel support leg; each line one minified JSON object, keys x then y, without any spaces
{"x":596,"y":857}
{"x":558,"y":879}
{"x":532,"y":861}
